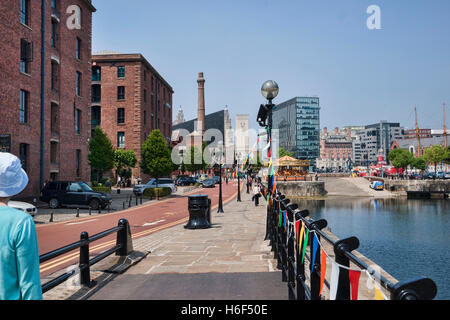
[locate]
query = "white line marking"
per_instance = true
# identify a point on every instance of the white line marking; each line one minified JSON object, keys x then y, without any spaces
{"x":74,"y":223}
{"x":152,"y":223}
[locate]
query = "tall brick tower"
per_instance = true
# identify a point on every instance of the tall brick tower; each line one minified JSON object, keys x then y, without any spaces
{"x":201,"y":105}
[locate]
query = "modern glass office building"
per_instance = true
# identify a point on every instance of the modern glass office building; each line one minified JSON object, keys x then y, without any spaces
{"x":298,"y":122}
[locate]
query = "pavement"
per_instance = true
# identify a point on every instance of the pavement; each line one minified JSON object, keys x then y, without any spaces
{"x":353,"y":187}
{"x":230,"y":261}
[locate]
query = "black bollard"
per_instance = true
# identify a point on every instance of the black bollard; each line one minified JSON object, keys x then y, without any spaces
{"x":90,"y":213}
{"x":51,"y":216}
{"x":78,"y":212}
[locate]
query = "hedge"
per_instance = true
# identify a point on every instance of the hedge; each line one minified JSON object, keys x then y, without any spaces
{"x":102,"y":189}
{"x":152,"y":193}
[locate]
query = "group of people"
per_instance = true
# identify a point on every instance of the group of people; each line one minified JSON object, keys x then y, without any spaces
{"x":19,"y":253}
{"x":256,"y":190}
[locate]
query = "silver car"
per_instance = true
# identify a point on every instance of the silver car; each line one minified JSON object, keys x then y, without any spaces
{"x":161,"y":183}
{"x":23,"y":206}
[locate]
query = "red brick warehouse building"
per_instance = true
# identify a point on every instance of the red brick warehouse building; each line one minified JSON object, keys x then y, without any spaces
{"x":129,"y":100}
{"x":45,"y":63}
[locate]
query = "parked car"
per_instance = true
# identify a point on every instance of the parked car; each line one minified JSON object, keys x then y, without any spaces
{"x":65,"y":193}
{"x":377,"y":185}
{"x":440,"y":175}
{"x":447,"y":175}
{"x":186,"y":181}
{"x":216,"y":179}
{"x":415,"y":176}
{"x":208,"y":183}
{"x":23,"y":206}
{"x":153,"y":183}
{"x":429,"y":175}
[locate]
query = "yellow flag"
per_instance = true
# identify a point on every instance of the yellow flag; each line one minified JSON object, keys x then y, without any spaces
{"x":301,"y":234}
{"x":378,"y":294}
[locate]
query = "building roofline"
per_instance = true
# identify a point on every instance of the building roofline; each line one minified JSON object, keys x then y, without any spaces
{"x":90,"y":5}
{"x":129,"y":57}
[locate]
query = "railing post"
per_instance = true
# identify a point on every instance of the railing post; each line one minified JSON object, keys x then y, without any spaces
{"x":340,"y":247}
{"x":85,"y":273}
{"x":124,"y":239}
{"x":315,"y":269}
{"x":291,"y":251}
{"x":419,"y":289}
{"x":300,"y":278}
{"x":283,"y":239}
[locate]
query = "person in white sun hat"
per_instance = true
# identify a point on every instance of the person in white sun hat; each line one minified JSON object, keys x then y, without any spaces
{"x":19,"y":254}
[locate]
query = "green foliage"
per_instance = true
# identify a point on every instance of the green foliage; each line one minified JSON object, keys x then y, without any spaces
{"x":102,"y":189}
{"x":434,"y":155}
{"x":156,"y":158}
{"x":447,"y":156}
{"x":124,"y":160}
{"x":418,"y":163}
{"x":400,"y":158}
{"x":193,"y":160}
{"x":152,"y":193}
{"x":101,"y":156}
{"x":282,"y":153}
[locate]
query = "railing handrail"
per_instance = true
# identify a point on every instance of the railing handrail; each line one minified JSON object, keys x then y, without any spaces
{"x":422,"y":288}
{"x":123,"y":247}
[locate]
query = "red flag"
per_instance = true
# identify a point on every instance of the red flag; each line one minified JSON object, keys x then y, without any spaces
{"x":323,"y":269}
{"x":297,"y":228}
{"x":354,"y":282}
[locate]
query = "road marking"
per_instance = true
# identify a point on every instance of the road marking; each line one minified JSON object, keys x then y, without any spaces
{"x":152,"y":223}
{"x":74,"y":223}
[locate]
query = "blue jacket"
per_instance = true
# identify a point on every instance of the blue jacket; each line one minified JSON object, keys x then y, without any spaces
{"x":19,"y":256}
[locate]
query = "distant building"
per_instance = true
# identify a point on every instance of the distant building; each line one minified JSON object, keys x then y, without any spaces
{"x":298,"y":122}
{"x":180,"y":117}
{"x":336,"y":149}
{"x":242,"y":139}
{"x":375,"y":140}
{"x":412,"y":144}
{"x":412,"y":134}
{"x":130,"y":99}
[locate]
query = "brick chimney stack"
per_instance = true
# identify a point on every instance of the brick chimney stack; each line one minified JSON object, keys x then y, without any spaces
{"x":201,"y":105}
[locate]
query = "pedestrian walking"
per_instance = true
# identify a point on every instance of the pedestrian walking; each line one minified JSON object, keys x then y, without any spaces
{"x":256,"y":194}
{"x":19,"y":254}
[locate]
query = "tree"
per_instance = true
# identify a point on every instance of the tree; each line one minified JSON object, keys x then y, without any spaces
{"x":124,"y":160}
{"x":435,"y":154}
{"x":156,"y":158}
{"x":447,"y":156}
{"x":282,"y":152}
{"x":193,"y":160}
{"x":400,"y":158}
{"x":101,"y":156}
{"x":419,"y":163}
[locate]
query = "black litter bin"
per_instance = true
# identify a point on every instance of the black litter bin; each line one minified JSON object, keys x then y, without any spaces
{"x":199,"y":212}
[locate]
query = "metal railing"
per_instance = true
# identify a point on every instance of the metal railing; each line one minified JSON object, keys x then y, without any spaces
{"x":123,"y":247}
{"x":287,"y":252}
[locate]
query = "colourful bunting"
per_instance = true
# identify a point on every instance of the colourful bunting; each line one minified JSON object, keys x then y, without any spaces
{"x":315,"y":247}
{"x":323,"y":269}
{"x":378,"y":294}
{"x":334,"y":280}
{"x":354,"y":283}
{"x":305,"y":244}
{"x":301,"y":235}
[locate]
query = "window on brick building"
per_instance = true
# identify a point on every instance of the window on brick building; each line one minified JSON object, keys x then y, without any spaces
{"x":96,"y":94}
{"x":78,"y":49}
{"x":54,"y":33}
{"x":145,"y":95}
{"x":121,"y":72}
{"x":78,"y":162}
{"x":121,"y":93}
{"x":145,"y":117}
{"x":23,"y":155}
{"x":77,"y":121}
{"x":121,"y":116}
{"x":121,"y":140}
{"x":26,"y":53}
{"x":96,"y":73}
{"x":54,"y":76}
{"x":25,"y":12}
{"x":53,"y":152}
{"x":24,"y":102}
{"x":78,"y":84}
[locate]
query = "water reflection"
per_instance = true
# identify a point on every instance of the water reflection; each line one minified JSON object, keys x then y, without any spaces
{"x":408,"y":238}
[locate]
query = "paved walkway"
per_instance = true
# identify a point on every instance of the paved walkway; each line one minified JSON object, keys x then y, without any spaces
{"x":229,"y":261}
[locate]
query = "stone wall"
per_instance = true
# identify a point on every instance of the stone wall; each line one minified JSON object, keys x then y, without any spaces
{"x":302,"y":188}
{"x":417,"y":185}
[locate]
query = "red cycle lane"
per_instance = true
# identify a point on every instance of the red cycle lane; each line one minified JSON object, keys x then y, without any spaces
{"x":143,"y":220}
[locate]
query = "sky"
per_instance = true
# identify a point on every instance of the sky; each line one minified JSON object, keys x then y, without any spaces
{"x":310,"y":48}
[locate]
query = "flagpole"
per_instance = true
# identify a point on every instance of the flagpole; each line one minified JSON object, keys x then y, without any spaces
{"x":220,"y":209}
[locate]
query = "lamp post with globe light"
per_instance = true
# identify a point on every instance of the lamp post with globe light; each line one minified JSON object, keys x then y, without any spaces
{"x":270,"y":91}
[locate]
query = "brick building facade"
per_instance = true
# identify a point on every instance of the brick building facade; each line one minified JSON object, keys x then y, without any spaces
{"x":45,"y":111}
{"x":129,"y":100}
{"x":336,"y":149}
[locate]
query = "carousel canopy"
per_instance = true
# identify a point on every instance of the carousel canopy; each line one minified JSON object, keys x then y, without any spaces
{"x":287,"y":161}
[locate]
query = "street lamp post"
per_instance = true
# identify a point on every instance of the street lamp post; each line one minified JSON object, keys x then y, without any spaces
{"x":270,"y":91}
{"x":220,"y":209}
{"x":239,"y":180}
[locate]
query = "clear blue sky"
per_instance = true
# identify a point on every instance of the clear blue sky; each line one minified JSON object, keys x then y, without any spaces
{"x":321,"y":48}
